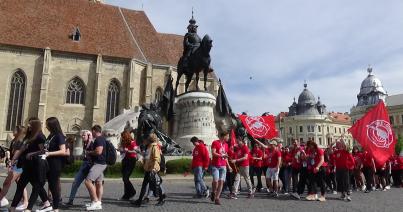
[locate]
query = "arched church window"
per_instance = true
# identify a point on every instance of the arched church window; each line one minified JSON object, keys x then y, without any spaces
{"x":112,"y":107}
{"x":16,"y":100}
{"x":158,"y":95}
{"x":75,"y":91}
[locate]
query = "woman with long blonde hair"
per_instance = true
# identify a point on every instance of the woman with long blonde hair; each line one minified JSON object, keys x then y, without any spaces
{"x":82,"y":173}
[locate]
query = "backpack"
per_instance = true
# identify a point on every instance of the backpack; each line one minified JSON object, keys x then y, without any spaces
{"x":110,"y":153}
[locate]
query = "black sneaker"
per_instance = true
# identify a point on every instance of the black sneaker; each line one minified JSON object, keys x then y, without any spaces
{"x":136,"y":203}
{"x":160,"y":203}
{"x":66,"y":204}
{"x":212,"y":196}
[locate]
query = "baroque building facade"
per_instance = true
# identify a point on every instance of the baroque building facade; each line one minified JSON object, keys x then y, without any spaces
{"x":308,"y":119}
{"x":371,"y":92}
{"x":82,"y":61}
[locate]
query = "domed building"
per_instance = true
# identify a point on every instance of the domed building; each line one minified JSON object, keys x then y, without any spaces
{"x":308,"y":119}
{"x":371,"y":92}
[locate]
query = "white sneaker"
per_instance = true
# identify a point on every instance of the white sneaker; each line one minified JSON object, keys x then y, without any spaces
{"x":334,"y":192}
{"x":88,"y":204}
{"x":363,"y":188}
{"x":45,"y":209}
{"x":95,"y":206}
{"x":21,"y":207}
{"x":387,"y":187}
{"x":3,"y":202}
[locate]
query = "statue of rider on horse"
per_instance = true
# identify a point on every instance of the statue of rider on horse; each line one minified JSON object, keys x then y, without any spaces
{"x":195,"y":58}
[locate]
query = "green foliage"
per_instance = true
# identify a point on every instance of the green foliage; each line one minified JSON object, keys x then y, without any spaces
{"x":179,"y":166}
{"x":399,"y":145}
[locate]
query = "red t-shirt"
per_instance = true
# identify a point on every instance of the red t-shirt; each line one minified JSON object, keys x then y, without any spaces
{"x":287,"y":158}
{"x":296,"y":163}
{"x":257,"y":153}
{"x":130,"y":147}
{"x":396,"y":162}
{"x":200,"y":156}
{"x":240,"y":153}
{"x":220,"y":148}
{"x":272,"y":158}
{"x":367,"y":160}
{"x":343,"y":159}
{"x":314,"y":158}
{"x":265,"y":161}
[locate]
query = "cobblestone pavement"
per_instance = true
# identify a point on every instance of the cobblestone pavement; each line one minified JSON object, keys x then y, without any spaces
{"x":180,"y":194}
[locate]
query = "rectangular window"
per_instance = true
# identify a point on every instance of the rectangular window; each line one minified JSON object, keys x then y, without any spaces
{"x":328,"y":129}
{"x":401,"y":122}
{"x":301,"y":129}
{"x":301,"y":140}
{"x":340,"y":130}
{"x":335,"y":130}
{"x":392,"y":121}
{"x":320,"y":141}
{"x":319,"y":129}
{"x":290,"y":130}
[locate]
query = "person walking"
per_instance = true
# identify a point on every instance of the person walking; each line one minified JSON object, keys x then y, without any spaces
{"x":257,"y":163}
{"x":97,"y":154}
{"x":343,"y":161}
{"x":316,"y":173}
{"x":84,"y":169}
{"x":152,"y":160}
{"x":219,"y":150}
{"x":242,"y":161}
{"x":128,"y":149}
{"x":34,"y":166}
{"x":200,"y":164}
{"x":14,"y":172}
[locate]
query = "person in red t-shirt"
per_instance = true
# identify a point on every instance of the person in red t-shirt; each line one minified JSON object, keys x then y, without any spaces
{"x":397,"y":167}
{"x":357,"y":168}
{"x":242,"y":161}
{"x":295,"y":166}
{"x":128,"y":150}
{"x":200,"y":163}
{"x":316,"y":173}
{"x":257,"y":163}
{"x":343,"y":162}
{"x":219,"y":163}
{"x":273,"y":169}
{"x":286,"y":166}
{"x":330,"y":177}
{"x":368,"y":169}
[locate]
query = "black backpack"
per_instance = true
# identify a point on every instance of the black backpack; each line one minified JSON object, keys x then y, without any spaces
{"x":110,"y":153}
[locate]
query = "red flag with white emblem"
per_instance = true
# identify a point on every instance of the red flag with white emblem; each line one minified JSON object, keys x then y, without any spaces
{"x":260,"y":126}
{"x":375,"y":134}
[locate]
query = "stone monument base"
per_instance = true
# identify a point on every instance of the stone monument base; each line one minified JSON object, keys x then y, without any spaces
{"x":195,"y":117}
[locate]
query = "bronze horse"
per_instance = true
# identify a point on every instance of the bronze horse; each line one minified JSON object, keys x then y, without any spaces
{"x":199,"y":61}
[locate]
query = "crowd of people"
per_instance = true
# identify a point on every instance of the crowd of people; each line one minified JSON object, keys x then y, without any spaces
{"x":37,"y":159}
{"x":292,"y":170}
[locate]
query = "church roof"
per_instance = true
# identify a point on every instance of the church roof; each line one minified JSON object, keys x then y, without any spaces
{"x":394,"y":100}
{"x":340,"y":117}
{"x":104,"y":29}
{"x":172,"y":42}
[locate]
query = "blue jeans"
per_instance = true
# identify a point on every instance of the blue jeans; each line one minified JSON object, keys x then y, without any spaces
{"x":199,"y":181}
{"x":79,"y":178}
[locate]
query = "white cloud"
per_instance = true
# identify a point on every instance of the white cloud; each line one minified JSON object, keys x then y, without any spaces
{"x":281,"y":43}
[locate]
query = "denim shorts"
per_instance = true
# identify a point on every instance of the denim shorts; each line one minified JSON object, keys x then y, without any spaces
{"x":16,"y":169}
{"x":272,"y":173}
{"x":219,"y":173}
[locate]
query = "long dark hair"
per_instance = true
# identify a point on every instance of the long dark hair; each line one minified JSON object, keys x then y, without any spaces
{"x":34,"y":128}
{"x":53,"y":126}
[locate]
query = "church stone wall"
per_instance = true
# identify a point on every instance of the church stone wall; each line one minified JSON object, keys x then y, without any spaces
{"x":30,"y":62}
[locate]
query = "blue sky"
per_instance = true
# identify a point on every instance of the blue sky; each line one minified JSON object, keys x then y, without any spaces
{"x":264,"y":50}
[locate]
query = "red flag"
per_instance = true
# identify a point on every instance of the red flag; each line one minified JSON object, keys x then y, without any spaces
{"x":260,"y":126}
{"x":375,"y":134}
{"x":233,"y":139}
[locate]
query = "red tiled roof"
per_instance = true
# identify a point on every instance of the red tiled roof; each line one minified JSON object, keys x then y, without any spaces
{"x":49,"y":23}
{"x":340,"y":117}
{"x":172,"y":42}
{"x":281,"y":115}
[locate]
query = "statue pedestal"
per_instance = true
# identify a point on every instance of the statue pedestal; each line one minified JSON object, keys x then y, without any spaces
{"x":195,"y":117}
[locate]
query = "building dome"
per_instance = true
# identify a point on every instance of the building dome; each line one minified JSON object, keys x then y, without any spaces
{"x":371,"y":90}
{"x":371,"y":84}
{"x":306,"y":97}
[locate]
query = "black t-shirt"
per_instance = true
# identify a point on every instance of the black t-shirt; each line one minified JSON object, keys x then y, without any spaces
{"x":14,"y":146}
{"x":99,"y":159}
{"x":53,"y":143}
{"x":31,"y":146}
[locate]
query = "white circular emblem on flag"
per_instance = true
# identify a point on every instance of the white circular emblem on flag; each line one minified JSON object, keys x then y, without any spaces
{"x":380,"y":133}
{"x":257,"y":126}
